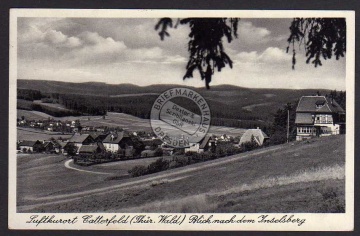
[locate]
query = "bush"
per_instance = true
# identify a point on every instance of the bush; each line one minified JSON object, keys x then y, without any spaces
{"x":226,"y":149}
{"x":190,"y":154}
{"x":158,"y":152}
{"x":157,"y":166}
{"x":248,"y":146}
{"x":181,"y":161}
{"x":179,"y":151}
{"x":138,"y":171}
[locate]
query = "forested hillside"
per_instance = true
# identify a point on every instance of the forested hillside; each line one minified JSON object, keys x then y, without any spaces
{"x":230,"y":105}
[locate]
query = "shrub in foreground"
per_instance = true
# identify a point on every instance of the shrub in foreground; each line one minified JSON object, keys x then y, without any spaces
{"x":157,"y":166}
{"x":138,"y":171}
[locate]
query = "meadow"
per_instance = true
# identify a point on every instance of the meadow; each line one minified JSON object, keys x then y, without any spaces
{"x":306,"y":176}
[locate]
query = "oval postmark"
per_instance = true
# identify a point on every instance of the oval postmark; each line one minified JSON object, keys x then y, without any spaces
{"x":176,"y":125}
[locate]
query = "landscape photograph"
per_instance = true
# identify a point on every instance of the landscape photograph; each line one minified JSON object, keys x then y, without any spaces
{"x":275,"y":92}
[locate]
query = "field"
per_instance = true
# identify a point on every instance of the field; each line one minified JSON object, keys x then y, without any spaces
{"x":33,"y":134}
{"x":52,"y":105}
{"x":125,"y":121}
{"x":32,"y":115}
{"x":306,"y":176}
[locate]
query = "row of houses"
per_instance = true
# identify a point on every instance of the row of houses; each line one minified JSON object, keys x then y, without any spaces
{"x":315,"y":116}
{"x":121,"y":142}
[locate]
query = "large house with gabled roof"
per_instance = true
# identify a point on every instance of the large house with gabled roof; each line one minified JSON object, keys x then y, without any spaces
{"x":117,"y":141}
{"x":318,"y":116}
{"x":81,"y":139}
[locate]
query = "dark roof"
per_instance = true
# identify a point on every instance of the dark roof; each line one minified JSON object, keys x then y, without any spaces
{"x":97,"y":135}
{"x":88,"y":148}
{"x":304,"y":118}
{"x":79,"y":138}
{"x":204,"y":141}
{"x":115,"y":137}
{"x":28,"y":143}
{"x":62,"y":144}
{"x":149,"y":142}
{"x":312,"y":103}
{"x":46,"y":143}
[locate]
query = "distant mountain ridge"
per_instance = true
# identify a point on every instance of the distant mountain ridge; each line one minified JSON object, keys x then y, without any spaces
{"x":230,"y":105}
{"x":103,"y":89}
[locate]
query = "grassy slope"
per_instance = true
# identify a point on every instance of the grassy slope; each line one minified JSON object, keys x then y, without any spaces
{"x":302,"y":177}
{"x":34,"y":134}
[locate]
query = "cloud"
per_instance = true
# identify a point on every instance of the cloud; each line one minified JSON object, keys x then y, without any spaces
{"x":40,"y":42}
{"x":271,"y":55}
{"x":96,"y":49}
{"x":58,"y":39}
{"x":252,"y":34}
{"x":129,"y":50}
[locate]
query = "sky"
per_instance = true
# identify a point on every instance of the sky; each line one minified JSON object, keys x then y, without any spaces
{"x":129,"y":50}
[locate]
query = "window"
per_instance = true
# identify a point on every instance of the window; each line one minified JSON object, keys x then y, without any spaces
{"x":305,"y":130}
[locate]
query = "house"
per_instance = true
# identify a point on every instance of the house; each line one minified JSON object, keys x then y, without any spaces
{"x":201,"y":146}
{"x":81,"y":139}
{"x":30,"y":146}
{"x":152,"y":143}
{"x":60,"y":147}
{"x":49,"y":146}
{"x":225,"y":138}
{"x":318,"y":116}
{"x":259,"y":136}
{"x":98,"y":136}
{"x":92,"y":148}
{"x":117,"y":141}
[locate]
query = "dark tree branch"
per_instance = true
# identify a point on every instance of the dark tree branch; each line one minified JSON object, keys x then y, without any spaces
{"x":322,"y":38}
{"x":206,"y":50}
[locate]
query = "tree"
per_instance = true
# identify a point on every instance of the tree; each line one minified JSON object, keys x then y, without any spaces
{"x":205,"y":45}
{"x":70,"y":149}
{"x":278,"y":130}
{"x":340,"y":98}
{"x":250,"y":145}
{"x":321,"y":37}
{"x":158,"y":152}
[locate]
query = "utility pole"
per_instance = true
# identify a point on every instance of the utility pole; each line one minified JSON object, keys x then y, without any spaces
{"x":288,"y":121}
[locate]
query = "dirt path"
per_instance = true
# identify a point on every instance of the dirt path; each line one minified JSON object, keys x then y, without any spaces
{"x":67,"y":165}
{"x":168,"y":175}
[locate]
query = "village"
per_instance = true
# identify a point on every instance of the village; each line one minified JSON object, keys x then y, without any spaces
{"x":316,"y":116}
{"x":89,"y":140}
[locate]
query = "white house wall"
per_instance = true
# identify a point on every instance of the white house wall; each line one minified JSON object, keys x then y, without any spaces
{"x":112,"y":147}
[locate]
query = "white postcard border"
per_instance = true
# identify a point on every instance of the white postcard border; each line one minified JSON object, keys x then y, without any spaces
{"x":314,"y":222}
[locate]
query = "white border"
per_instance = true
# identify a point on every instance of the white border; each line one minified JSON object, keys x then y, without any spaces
{"x":314,"y":222}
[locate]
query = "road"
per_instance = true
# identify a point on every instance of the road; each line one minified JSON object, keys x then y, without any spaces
{"x":101,"y":187}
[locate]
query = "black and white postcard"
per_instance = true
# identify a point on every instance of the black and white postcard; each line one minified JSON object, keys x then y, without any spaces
{"x":181,"y":120}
